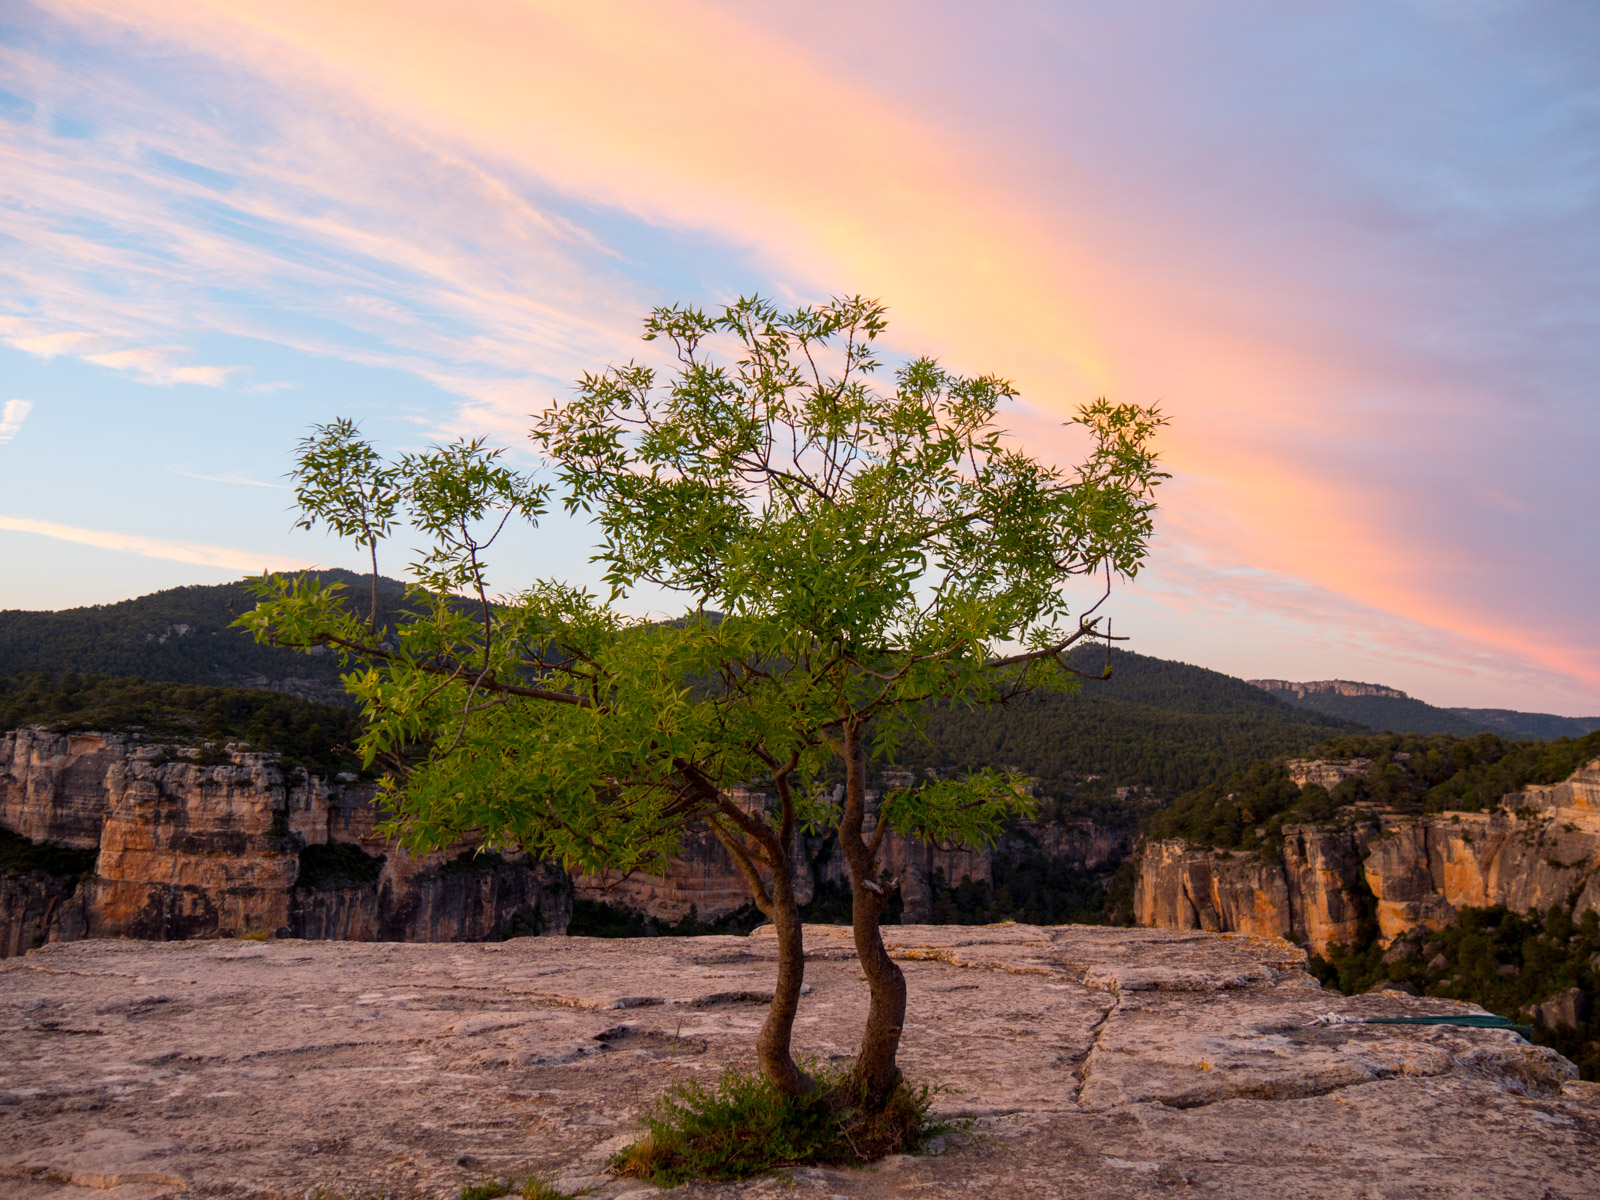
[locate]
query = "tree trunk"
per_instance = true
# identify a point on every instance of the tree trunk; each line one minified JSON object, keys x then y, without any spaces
{"x":773,"y":1043}
{"x":778,"y":903}
{"x":876,"y":1071}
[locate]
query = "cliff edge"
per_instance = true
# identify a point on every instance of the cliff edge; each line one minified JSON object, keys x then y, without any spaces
{"x":1539,"y":847}
{"x":185,"y":844}
{"x":1089,"y":1061}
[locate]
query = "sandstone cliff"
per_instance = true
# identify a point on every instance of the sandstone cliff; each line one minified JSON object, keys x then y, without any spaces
{"x":186,"y":848}
{"x":1541,"y":847}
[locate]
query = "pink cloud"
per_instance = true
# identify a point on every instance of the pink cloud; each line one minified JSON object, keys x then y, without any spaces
{"x":1319,"y":392}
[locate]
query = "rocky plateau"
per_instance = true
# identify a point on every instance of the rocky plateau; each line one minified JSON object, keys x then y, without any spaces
{"x":1078,"y":1061}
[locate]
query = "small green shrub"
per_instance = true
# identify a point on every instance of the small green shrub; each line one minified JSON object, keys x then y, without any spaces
{"x":533,"y":1187}
{"x":744,"y":1126}
{"x":595,"y":918}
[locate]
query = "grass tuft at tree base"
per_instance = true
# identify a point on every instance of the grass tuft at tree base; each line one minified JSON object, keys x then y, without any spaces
{"x":533,"y":1187}
{"x":743,"y":1126}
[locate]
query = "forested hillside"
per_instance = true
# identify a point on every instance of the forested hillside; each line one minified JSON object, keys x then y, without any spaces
{"x":1162,"y":727}
{"x":1165,"y":726}
{"x":181,"y":635}
{"x":1408,"y":773}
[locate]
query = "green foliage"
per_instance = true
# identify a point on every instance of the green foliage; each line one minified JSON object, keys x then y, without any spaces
{"x":19,"y":855}
{"x":867,"y":554}
{"x":532,"y":1187}
{"x":320,"y":738}
{"x":1033,"y":889}
{"x":1495,"y":958}
{"x":1409,"y":773}
{"x":334,"y":863}
{"x":593,"y":918}
{"x":743,"y":1126}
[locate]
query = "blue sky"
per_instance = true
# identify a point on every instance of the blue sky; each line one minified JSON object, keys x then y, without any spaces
{"x":1354,"y":251}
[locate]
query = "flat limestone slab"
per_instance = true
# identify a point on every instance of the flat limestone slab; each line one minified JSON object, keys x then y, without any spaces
{"x":1088,"y":1062}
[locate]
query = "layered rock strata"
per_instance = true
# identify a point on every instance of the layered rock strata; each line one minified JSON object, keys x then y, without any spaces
{"x":186,"y":848}
{"x":1088,"y":1061}
{"x":1540,"y":847}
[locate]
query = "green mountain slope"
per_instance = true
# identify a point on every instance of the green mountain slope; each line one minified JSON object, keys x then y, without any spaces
{"x":1511,"y":724}
{"x":181,"y":635}
{"x":1157,"y":725}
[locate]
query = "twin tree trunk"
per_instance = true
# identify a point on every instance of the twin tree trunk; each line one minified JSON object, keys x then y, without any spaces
{"x":876,"y":1072}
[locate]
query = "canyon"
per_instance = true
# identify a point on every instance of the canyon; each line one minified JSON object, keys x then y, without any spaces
{"x":185,"y":845}
{"x":1538,"y":848}
{"x":179,"y":844}
{"x":701,"y":876}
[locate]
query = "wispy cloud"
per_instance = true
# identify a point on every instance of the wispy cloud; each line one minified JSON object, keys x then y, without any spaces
{"x":12,"y":417}
{"x":154,"y":365}
{"x":199,"y":553}
{"x":241,"y":480}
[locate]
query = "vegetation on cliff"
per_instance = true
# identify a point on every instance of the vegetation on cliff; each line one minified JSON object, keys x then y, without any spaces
{"x":1505,"y":961}
{"x":1407,"y":773}
{"x":20,"y":856}
{"x":1036,"y":889}
{"x":319,"y":738}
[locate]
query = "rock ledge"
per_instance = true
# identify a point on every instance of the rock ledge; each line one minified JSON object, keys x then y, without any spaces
{"x":1087,"y":1061}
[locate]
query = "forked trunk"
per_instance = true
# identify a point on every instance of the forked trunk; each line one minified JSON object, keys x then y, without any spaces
{"x":773,"y":1044}
{"x":778,"y":903}
{"x":876,"y":1072}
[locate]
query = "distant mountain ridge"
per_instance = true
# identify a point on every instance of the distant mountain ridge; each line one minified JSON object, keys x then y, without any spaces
{"x":1379,"y":707}
{"x":180,"y":635}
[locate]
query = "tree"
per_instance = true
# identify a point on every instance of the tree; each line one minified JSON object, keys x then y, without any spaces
{"x":877,"y":549}
{"x":848,"y":552}
{"x":341,"y":481}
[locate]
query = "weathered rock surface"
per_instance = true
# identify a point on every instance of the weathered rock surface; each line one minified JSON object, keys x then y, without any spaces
{"x":191,"y":849}
{"x":1092,"y":1061}
{"x":1539,"y":847}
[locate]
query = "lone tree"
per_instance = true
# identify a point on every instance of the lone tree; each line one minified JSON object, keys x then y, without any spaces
{"x":848,"y":552}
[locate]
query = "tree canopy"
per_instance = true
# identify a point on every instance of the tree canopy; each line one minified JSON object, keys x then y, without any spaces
{"x":847,"y":551}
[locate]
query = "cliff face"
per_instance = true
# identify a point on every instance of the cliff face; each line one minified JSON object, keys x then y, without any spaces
{"x":1539,"y":848}
{"x":191,"y":849}
{"x":704,"y":876}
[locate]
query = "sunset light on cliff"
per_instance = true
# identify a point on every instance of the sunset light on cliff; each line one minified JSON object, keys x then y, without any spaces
{"x":1353,"y":252}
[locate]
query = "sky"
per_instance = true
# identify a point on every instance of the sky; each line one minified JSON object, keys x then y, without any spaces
{"x":1352,"y":250}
